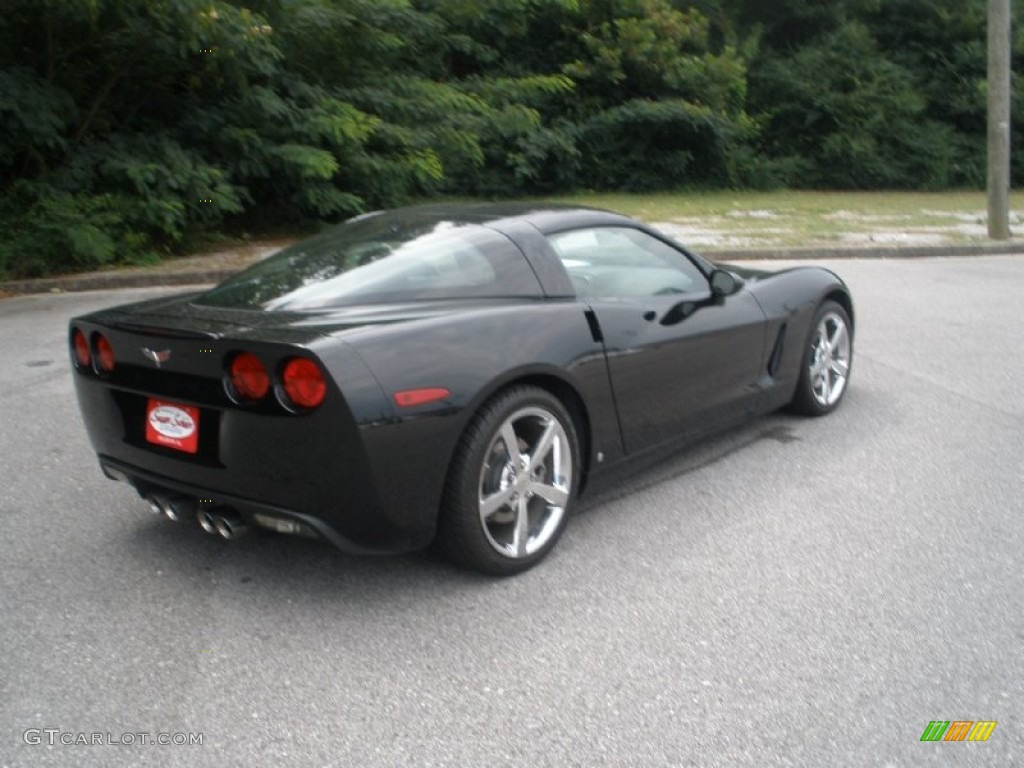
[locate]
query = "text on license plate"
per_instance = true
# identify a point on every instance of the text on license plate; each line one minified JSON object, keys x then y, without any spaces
{"x":172,"y":425}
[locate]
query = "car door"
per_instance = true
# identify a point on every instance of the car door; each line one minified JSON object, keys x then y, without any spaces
{"x":681,"y":360}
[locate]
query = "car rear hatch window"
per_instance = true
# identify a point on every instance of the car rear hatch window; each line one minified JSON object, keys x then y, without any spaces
{"x":383,"y":258}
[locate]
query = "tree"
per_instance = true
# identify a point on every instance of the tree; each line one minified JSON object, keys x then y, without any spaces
{"x":650,"y":86}
{"x":128,"y":127}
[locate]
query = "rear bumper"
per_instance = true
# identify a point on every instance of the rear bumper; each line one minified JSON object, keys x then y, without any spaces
{"x":147,"y":483}
{"x":312,"y":469}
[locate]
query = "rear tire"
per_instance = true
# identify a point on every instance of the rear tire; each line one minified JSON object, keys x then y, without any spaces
{"x":827,"y":359}
{"x":511,"y":485}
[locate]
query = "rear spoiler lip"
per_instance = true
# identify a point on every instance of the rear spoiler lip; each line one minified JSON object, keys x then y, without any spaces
{"x":162,"y":331}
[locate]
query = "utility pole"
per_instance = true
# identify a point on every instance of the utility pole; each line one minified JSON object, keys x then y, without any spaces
{"x":999,"y":119}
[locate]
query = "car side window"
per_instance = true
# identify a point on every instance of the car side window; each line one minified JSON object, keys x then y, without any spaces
{"x":614,"y":262}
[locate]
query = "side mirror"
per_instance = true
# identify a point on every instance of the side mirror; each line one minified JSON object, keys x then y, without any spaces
{"x":724,"y":283}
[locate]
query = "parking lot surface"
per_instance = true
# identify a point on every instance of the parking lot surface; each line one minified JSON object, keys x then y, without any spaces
{"x":797,"y":592}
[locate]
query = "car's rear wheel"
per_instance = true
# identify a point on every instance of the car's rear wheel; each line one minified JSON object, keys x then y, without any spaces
{"x":512,"y":483}
{"x":828,"y":355}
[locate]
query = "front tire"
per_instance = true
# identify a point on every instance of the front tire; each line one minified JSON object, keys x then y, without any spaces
{"x":827,"y":358}
{"x":511,"y":485}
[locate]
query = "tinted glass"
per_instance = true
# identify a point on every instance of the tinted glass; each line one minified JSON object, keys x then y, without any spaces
{"x":383,"y":258}
{"x":622,"y":261}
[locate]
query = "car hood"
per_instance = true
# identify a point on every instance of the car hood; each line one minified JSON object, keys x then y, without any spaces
{"x":747,"y":273}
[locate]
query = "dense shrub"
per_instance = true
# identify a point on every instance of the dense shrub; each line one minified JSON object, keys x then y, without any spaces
{"x":127,"y":128}
{"x":845,"y":116}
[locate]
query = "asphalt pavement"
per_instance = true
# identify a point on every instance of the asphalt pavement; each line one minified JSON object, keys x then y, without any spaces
{"x":798,"y":592}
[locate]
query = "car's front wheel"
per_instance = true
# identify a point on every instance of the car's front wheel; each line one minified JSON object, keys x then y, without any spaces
{"x":828,"y":355}
{"x":511,"y":484}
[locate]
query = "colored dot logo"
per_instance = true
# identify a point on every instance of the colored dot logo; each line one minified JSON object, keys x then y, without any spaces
{"x":959,"y":730}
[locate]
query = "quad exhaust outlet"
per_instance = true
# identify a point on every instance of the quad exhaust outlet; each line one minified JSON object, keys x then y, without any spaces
{"x":174,"y":508}
{"x":207,"y":519}
{"x":221,"y":521}
{"x":225,"y":522}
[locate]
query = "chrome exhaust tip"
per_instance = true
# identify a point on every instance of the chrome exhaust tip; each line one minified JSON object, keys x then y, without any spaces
{"x":178,"y":507}
{"x":207,"y":519}
{"x":163,"y":506}
{"x":154,"y":504}
{"x":168,"y":509}
{"x":230,"y":525}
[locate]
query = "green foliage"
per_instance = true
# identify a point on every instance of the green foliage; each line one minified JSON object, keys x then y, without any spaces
{"x":34,"y":118}
{"x":49,"y":231}
{"x":871,"y":94}
{"x":848,"y":117}
{"x":103,"y":169}
{"x":658,"y":51}
{"x":621,"y":141}
{"x":660,"y":107}
{"x":128,"y":128}
{"x":942,"y":44}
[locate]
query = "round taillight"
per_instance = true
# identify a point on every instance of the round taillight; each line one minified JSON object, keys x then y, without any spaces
{"x":104,"y":353}
{"x":248,"y":376}
{"x":303,"y":382}
{"x":82,"y":355}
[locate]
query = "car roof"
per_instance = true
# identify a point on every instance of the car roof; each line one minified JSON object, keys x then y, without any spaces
{"x":546,"y":217}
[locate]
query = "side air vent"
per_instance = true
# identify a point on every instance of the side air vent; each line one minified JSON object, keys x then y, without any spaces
{"x":595,"y":326}
{"x":776,"y":358}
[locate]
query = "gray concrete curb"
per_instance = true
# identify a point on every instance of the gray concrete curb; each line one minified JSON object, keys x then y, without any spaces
{"x":161,"y":276}
{"x":114,"y":279}
{"x":881,"y":252}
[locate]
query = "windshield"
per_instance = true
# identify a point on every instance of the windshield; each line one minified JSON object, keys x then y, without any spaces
{"x":383,"y":258}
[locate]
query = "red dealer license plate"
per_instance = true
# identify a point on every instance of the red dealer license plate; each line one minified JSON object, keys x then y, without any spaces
{"x":172,"y":425}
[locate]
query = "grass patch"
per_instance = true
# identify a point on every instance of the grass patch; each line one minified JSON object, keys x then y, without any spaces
{"x":786,"y":219}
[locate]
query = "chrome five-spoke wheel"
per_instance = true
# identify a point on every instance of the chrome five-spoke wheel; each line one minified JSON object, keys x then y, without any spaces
{"x":524,"y":482}
{"x":512,"y":483}
{"x":827,"y":361}
{"x":830,"y":359}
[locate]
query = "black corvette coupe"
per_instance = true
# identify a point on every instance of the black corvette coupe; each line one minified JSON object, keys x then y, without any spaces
{"x":448,"y":373}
